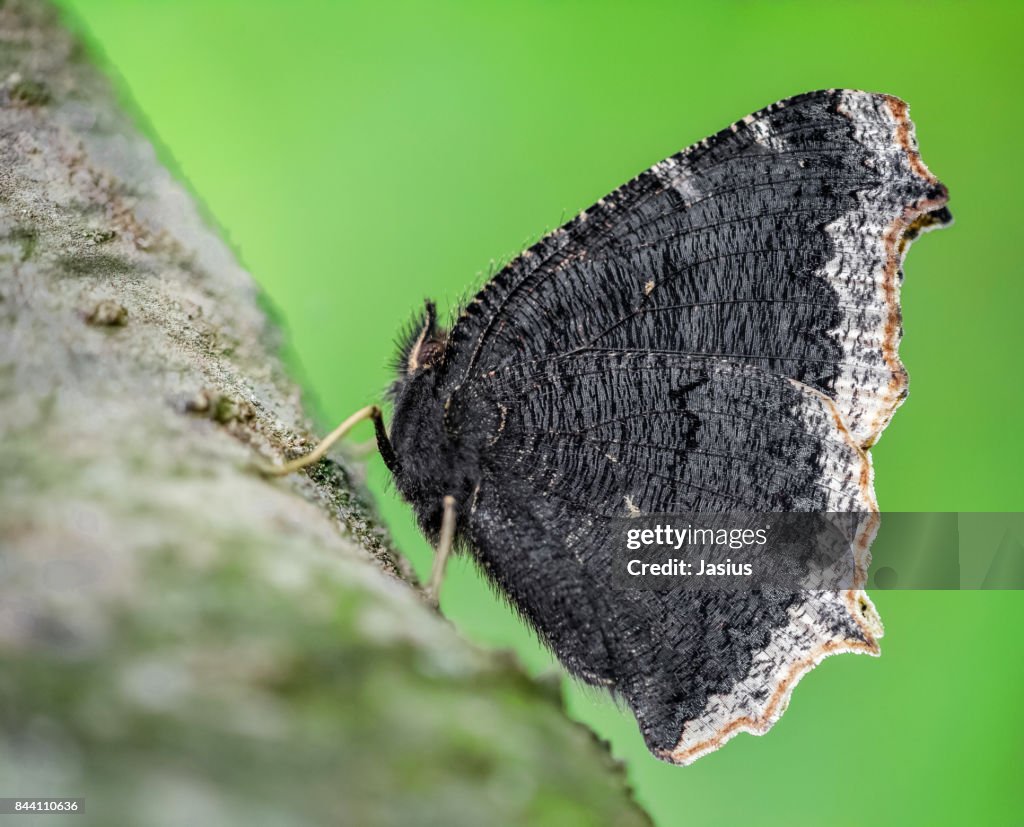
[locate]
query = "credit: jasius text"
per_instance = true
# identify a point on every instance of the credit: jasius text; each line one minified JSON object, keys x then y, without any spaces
{"x":715,"y":540}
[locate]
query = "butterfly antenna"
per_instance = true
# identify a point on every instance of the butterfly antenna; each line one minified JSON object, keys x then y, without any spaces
{"x":444,"y":547}
{"x":369,"y":412}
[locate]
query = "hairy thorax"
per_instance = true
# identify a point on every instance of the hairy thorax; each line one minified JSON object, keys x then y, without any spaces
{"x":437,"y":453}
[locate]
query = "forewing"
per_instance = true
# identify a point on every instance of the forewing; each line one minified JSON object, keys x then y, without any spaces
{"x":776,"y":243}
{"x":585,"y":440}
{"x":718,"y":335}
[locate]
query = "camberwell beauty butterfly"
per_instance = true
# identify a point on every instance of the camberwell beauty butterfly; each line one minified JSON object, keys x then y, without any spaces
{"x":719,"y":334}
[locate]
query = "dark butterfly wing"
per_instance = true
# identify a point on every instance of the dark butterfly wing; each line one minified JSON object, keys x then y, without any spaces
{"x":717,"y":335}
{"x":776,"y":243}
{"x":587,"y":439}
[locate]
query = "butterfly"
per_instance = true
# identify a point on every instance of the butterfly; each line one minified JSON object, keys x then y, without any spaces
{"x":719,"y":334}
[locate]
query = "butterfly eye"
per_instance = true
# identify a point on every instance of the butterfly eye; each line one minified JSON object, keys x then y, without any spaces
{"x":425,"y":353}
{"x":425,"y":344}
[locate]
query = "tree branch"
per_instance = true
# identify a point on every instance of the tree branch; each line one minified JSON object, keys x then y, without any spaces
{"x":181,"y":639}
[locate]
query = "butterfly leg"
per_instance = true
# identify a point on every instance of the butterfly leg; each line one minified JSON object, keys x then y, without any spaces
{"x":369,"y":412}
{"x":444,"y":547}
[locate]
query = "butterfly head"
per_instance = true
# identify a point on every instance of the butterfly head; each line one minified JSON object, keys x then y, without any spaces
{"x":433,"y":458}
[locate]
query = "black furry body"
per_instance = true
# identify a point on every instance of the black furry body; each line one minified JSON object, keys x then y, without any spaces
{"x":717,"y":335}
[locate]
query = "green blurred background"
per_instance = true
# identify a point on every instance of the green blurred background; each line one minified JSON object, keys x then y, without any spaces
{"x":362,"y":155}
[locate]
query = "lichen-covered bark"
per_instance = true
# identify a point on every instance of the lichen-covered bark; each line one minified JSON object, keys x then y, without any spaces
{"x":182,"y":641}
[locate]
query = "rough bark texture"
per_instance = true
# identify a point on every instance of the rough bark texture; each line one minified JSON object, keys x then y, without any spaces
{"x":182,"y":641}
